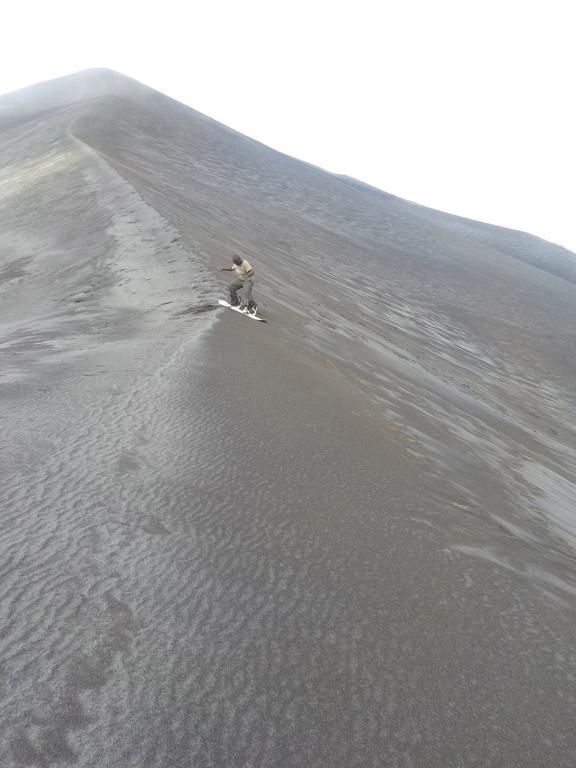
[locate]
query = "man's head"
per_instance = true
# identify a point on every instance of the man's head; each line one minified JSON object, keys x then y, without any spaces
{"x":237,"y":260}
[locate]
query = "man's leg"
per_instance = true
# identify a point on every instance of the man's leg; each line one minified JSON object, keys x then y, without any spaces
{"x":233,"y":288}
{"x":248,"y":286}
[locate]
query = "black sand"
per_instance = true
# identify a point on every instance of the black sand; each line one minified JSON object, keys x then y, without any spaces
{"x":344,"y":538}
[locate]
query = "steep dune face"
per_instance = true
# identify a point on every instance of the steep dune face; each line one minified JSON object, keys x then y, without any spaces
{"x":83,"y":254}
{"x":343,"y":538}
{"x":444,"y":319}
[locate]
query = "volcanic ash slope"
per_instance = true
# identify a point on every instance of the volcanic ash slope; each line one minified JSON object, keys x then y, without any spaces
{"x":343,"y":538}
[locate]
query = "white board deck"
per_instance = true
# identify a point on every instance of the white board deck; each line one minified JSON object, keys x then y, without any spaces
{"x":240,"y":312}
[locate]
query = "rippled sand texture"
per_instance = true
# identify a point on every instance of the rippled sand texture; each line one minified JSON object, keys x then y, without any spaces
{"x":345,"y":538}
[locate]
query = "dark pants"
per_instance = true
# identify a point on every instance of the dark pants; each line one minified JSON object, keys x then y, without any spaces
{"x":246,"y":286}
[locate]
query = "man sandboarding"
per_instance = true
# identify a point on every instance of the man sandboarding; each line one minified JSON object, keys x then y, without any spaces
{"x":244,"y":282}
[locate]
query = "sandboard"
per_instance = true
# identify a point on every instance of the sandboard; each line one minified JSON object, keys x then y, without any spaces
{"x":240,"y":312}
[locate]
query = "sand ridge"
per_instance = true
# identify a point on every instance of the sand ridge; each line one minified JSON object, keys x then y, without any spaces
{"x":343,"y":538}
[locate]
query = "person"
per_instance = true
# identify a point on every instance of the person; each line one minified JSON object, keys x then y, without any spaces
{"x":244,"y":280}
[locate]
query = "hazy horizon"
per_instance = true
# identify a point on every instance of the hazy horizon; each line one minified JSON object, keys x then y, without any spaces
{"x":464,"y":110}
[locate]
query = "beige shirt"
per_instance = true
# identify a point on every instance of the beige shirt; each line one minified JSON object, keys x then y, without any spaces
{"x":243,"y":270}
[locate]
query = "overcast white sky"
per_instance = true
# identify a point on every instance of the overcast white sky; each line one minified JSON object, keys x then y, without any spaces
{"x":462,"y":105}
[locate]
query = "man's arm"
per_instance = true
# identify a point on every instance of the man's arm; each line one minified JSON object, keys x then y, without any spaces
{"x":226,"y":269}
